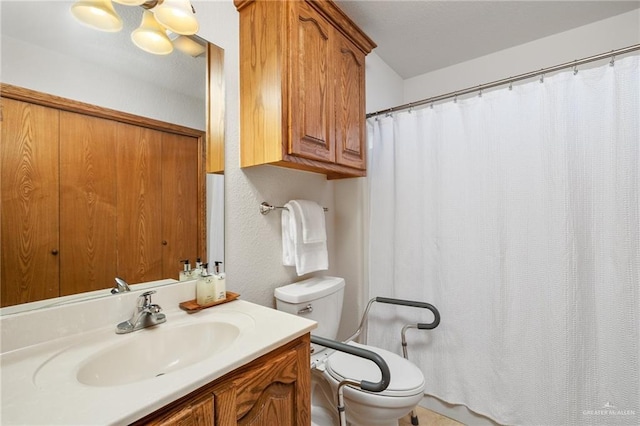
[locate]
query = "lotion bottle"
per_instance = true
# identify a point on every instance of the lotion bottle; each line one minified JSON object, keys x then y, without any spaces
{"x":219,"y":283}
{"x":197,"y":270}
{"x":185,"y":274}
{"x":205,"y":288}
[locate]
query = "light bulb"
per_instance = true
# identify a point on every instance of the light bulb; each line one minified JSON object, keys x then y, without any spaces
{"x":130,"y":2}
{"x":151,"y":37}
{"x":188,"y":46}
{"x":97,"y":14}
{"x":177,"y":16}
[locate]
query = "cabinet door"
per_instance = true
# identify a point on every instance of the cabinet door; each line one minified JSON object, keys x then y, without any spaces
{"x":311,"y":80}
{"x":274,"y":393}
{"x":274,"y":389}
{"x":196,"y":413}
{"x":30,"y":266}
{"x":349,"y":99}
{"x":87,"y":203}
{"x":180,"y":169}
{"x":139,"y":187}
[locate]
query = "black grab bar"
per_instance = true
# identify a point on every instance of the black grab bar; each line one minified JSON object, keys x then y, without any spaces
{"x":362,"y":353}
{"x":422,"y":326}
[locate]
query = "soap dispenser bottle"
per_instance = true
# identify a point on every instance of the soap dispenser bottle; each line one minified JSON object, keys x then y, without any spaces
{"x":197,"y":270}
{"x":185,"y":274}
{"x":219,"y":283}
{"x":205,"y":288}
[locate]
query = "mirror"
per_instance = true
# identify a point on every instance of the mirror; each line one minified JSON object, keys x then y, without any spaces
{"x":45,"y":49}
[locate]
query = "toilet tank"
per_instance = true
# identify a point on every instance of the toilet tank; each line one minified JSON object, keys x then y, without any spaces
{"x":318,"y":298}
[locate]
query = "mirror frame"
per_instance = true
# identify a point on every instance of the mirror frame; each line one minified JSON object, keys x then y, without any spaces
{"x":215,"y":122}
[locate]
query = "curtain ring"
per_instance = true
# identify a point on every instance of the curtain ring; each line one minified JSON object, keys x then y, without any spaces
{"x":575,"y":69}
{"x":542,"y":78}
{"x":455,"y":99}
{"x":613,"y":61}
{"x":511,"y":85}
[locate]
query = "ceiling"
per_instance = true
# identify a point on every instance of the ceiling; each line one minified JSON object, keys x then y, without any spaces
{"x":419,"y":36}
{"x":413,"y":36}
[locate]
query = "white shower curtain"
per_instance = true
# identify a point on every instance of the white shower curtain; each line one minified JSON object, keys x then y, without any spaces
{"x":516,"y":213}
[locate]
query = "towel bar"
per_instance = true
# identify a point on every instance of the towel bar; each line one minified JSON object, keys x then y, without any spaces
{"x":265,"y":208}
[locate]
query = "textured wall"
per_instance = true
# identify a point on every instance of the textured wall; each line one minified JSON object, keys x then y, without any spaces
{"x":253,"y":242}
{"x":253,"y":248}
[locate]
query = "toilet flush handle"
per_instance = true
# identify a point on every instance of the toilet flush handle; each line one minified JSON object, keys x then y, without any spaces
{"x":306,"y":310}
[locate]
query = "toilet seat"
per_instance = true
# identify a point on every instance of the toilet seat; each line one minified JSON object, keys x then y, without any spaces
{"x":406,"y":378}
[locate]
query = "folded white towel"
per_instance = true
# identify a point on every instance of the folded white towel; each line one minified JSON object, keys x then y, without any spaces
{"x":307,"y":257}
{"x":313,"y":227}
{"x":288,"y":247}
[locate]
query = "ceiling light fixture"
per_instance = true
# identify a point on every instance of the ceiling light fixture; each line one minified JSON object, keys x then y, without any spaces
{"x":97,"y":14}
{"x":151,"y":37}
{"x":188,"y":45}
{"x":177,"y":16}
{"x":131,"y":2}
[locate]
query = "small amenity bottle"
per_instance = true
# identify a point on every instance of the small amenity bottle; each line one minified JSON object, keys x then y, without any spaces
{"x":205,"y":288}
{"x":185,"y":274}
{"x":219,"y":283}
{"x":197,"y":269}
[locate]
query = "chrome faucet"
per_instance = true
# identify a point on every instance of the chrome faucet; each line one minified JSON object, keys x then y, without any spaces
{"x":120,"y":287}
{"x":147,"y":314}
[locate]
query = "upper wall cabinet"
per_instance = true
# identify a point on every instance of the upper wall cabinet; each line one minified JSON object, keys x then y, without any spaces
{"x":302,"y":78}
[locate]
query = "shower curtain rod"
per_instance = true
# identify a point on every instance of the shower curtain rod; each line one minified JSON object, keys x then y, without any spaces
{"x":612,"y":54}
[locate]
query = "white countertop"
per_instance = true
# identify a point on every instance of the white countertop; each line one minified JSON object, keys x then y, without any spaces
{"x":39,"y":384}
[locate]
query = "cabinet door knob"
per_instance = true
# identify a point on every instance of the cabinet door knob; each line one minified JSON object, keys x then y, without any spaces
{"x":164,"y":242}
{"x":54,"y":252}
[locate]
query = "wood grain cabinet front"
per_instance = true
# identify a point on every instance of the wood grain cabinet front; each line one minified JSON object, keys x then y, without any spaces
{"x":302,"y":80}
{"x":87,"y":198}
{"x":275,"y":389}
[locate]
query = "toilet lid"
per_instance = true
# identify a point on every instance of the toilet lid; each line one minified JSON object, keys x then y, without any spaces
{"x":406,"y":378}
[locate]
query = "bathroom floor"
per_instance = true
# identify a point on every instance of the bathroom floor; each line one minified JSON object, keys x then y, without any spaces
{"x":429,"y":418}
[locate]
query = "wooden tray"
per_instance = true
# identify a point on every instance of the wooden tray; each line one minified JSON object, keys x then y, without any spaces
{"x":192,"y":306}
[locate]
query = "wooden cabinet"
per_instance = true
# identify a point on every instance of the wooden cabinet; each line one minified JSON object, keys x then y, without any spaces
{"x":86,"y":198}
{"x":275,"y":389}
{"x":30,"y":211}
{"x":87,"y":201}
{"x":157,"y":180}
{"x":302,"y":94}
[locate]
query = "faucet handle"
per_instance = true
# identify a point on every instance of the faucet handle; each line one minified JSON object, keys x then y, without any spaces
{"x":154,"y":309}
{"x":121,"y":286}
{"x":145,"y":298}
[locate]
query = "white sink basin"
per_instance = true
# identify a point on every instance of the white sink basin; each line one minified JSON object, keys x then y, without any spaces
{"x":106,"y":359}
{"x":155,"y":352}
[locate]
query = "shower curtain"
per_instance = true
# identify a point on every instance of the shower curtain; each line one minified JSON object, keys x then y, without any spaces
{"x":516,"y":213}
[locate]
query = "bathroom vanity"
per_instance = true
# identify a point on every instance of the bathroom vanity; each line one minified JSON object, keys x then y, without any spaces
{"x":235,"y":362}
{"x":272,"y":390}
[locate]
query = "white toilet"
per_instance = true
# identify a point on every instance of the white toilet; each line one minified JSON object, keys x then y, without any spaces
{"x":320,"y":299}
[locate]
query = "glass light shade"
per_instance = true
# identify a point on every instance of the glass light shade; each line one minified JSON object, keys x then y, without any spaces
{"x":151,"y":37}
{"x":97,"y":14}
{"x":188,"y":46}
{"x":177,"y":16}
{"x":131,"y":2}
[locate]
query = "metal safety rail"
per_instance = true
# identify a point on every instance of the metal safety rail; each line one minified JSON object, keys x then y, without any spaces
{"x":362,"y":384}
{"x":423,"y":326}
{"x":377,"y":359}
